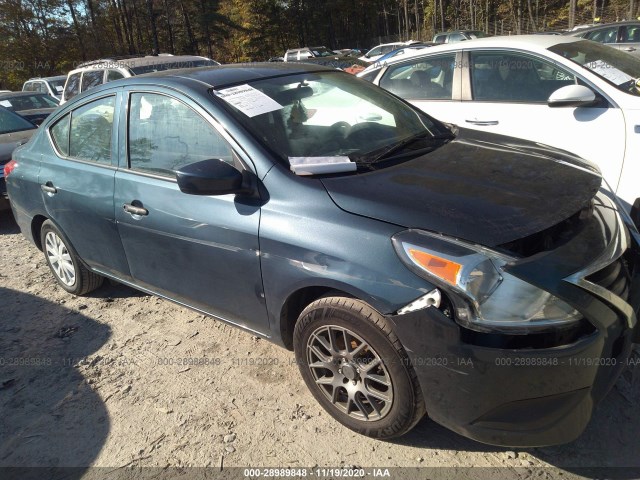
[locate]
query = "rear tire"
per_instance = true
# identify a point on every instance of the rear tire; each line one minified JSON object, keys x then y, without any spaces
{"x":65,"y":264}
{"x":356,"y":367}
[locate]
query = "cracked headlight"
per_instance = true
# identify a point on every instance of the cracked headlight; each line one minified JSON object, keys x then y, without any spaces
{"x":487,"y":297}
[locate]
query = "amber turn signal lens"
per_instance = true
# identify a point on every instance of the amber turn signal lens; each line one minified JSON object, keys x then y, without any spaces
{"x":440,"y":267}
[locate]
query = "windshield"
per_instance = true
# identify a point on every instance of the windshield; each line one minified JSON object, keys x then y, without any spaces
{"x":28,"y":102}
{"x":159,"y":67}
{"x":327,"y":114}
{"x":57,"y":85}
{"x":322,"y":52}
{"x":11,"y":122}
{"x":615,"y":67}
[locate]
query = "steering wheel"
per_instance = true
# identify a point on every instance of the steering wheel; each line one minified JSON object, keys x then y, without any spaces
{"x":339,"y":129}
{"x":366,"y":132}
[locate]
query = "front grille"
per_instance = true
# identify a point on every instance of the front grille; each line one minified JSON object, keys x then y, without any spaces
{"x":615,"y":277}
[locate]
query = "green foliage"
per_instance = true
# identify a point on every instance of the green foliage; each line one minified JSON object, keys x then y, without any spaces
{"x":49,"y":37}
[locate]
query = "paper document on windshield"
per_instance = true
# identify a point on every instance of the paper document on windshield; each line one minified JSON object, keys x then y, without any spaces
{"x":248,"y":100}
{"x":5,"y":103}
{"x":321,"y":165}
{"x":611,"y":73}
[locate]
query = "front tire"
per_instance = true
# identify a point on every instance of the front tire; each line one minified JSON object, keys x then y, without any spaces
{"x":65,"y":264}
{"x":356,"y":367}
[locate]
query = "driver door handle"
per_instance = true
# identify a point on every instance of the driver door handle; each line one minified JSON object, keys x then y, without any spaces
{"x":483,"y":122}
{"x":49,"y":188}
{"x":133,"y":210}
{"x":629,"y":49}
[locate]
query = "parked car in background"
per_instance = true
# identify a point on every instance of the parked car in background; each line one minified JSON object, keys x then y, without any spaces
{"x":403,"y":52}
{"x":305,"y":53}
{"x":562,"y":91}
{"x":324,"y":56}
{"x":623,"y":36}
{"x":224,"y":189}
{"x":91,"y":74}
{"x":458,"y":36}
{"x":50,"y":85}
{"x":376,"y":52}
{"x":14,"y":131}
{"x":35,"y":107}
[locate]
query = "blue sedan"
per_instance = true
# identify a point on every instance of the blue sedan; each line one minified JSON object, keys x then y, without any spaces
{"x":412,"y":268}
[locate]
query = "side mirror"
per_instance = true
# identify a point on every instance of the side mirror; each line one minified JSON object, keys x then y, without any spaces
{"x":210,"y":177}
{"x":572,"y":96}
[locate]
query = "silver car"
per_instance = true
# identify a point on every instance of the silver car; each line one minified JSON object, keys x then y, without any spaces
{"x":623,"y":36}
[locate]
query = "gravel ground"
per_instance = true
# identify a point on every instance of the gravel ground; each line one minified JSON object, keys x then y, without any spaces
{"x":104,"y":387}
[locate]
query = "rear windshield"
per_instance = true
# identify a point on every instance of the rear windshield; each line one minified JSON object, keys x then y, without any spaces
{"x":11,"y":122}
{"x":615,"y":67}
{"x":159,"y":67}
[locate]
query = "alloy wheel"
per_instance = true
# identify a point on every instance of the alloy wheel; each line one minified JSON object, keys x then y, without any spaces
{"x":60,"y":259}
{"x":350,"y":373}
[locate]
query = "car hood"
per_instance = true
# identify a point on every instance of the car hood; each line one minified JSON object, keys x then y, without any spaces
{"x":484,"y":188}
{"x":9,"y":142}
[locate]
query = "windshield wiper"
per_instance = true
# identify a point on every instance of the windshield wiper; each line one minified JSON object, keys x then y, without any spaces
{"x":388,"y":152}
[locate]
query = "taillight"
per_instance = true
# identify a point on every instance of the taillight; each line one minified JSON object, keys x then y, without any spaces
{"x":9,"y":167}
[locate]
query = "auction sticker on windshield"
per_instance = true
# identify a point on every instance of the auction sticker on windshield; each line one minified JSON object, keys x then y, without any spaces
{"x":248,"y":100}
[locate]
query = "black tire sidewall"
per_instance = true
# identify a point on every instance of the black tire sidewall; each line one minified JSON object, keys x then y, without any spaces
{"x":400,"y":418}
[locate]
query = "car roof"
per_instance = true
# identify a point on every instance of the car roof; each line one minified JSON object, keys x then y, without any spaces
{"x":531,"y":42}
{"x":132,"y":62}
{"x":57,"y":77}
{"x":582,"y":31}
{"x":220,"y":75}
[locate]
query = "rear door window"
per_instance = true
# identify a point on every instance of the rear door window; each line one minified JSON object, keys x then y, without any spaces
{"x":114,"y":75}
{"x":91,"y":131}
{"x":91,"y":79}
{"x":72,"y":87}
{"x":60,"y":134}
{"x":630,"y":34}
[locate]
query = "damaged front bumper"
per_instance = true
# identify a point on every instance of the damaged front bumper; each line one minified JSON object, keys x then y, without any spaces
{"x":540,"y":388}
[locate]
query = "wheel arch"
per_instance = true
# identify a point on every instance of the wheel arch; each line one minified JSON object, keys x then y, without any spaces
{"x":36,"y":228}
{"x":301,"y":297}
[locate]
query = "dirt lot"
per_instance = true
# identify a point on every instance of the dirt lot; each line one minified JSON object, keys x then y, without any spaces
{"x":103,"y":386}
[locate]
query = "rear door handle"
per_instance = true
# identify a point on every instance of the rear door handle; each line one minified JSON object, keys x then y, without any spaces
{"x":629,"y":49}
{"x":49,"y":188}
{"x":133,"y":210}
{"x":483,"y":122}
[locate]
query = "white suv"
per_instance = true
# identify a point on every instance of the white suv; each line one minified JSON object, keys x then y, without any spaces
{"x":50,"y":85}
{"x":94,"y":73}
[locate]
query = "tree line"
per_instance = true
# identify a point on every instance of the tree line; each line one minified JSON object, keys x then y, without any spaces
{"x":49,"y":37}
